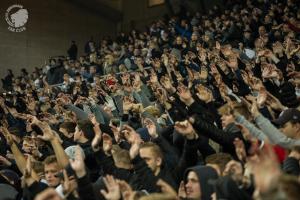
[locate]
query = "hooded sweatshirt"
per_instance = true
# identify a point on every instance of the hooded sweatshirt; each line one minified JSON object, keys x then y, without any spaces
{"x":205,"y":174}
{"x":226,"y":188}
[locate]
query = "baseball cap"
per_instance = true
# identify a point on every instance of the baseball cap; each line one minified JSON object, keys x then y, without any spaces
{"x":289,"y":115}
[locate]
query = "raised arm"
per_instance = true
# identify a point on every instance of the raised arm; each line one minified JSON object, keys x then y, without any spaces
{"x":275,"y":135}
{"x":19,"y":157}
{"x":254,"y":131}
{"x":49,"y":135}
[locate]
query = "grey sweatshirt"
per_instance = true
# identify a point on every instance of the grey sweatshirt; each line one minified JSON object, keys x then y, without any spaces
{"x":268,"y":131}
{"x":254,"y":131}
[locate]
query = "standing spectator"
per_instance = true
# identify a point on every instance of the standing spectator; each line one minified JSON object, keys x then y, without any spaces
{"x":8,"y":80}
{"x":72,"y":51}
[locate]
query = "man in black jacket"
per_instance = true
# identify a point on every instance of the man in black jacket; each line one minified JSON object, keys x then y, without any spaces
{"x":84,"y":133}
{"x":152,"y":155}
{"x":206,"y":128}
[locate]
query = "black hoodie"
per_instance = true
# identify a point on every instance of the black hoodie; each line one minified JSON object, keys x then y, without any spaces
{"x":205,"y":175}
{"x":227,"y":189}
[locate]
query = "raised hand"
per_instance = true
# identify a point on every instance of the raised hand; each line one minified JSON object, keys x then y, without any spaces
{"x":126,"y":190}
{"x":31,"y":105}
{"x":277,"y":47}
{"x":153,"y":78}
{"x":226,"y":50}
{"x":203,"y":74}
{"x":186,"y":129}
{"x":127,"y":104}
{"x":134,"y":139}
{"x":246,"y":77}
{"x":137,"y":77}
{"x":294,"y":74}
{"x":96,"y":140}
{"x":113,"y":189}
{"x":254,"y":109}
{"x":125,"y":78}
{"x":250,"y":99}
{"x":4,"y":161}
{"x":7,"y":135}
{"x":165,"y":59}
{"x":204,"y":94}
{"x":77,"y":163}
{"x":137,"y":85}
{"x":166,"y":83}
{"x":63,"y":99}
{"x":262,"y":97}
{"x":181,"y":190}
{"x":130,"y":134}
{"x":274,"y":103}
{"x":213,"y":69}
{"x":116,"y":131}
{"x":235,"y":170}
{"x":240,"y":149}
{"x":151,"y":127}
{"x":47,"y":194}
{"x":69,"y":184}
{"x":98,"y":133}
{"x":245,"y":132}
{"x":48,"y":134}
{"x":260,"y":53}
{"x":2,"y":104}
{"x":218,"y":45}
{"x":107,"y":143}
{"x":137,"y":82}
{"x":32,"y":119}
{"x":224,"y":92}
{"x":185,"y":95}
{"x":232,"y":63}
{"x":79,"y":100}
{"x":268,"y":53}
{"x":27,"y":173}
{"x":166,"y":188}
{"x":202,"y":56}
{"x":134,"y":149}
{"x":265,"y":168}
{"x":178,"y":75}
{"x":93,"y":119}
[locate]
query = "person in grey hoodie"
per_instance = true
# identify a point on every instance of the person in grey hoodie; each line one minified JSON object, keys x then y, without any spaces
{"x":287,"y":137}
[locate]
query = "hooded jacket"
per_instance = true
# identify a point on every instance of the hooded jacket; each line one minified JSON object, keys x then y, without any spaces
{"x":227,"y":189}
{"x":205,"y":174}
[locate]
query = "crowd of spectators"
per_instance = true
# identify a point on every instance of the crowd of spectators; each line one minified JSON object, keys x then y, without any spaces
{"x":198,"y":106}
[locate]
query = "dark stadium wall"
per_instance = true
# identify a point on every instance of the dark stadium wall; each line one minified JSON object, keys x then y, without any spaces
{"x":137,"y":13}
{"x":51,"y":26}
